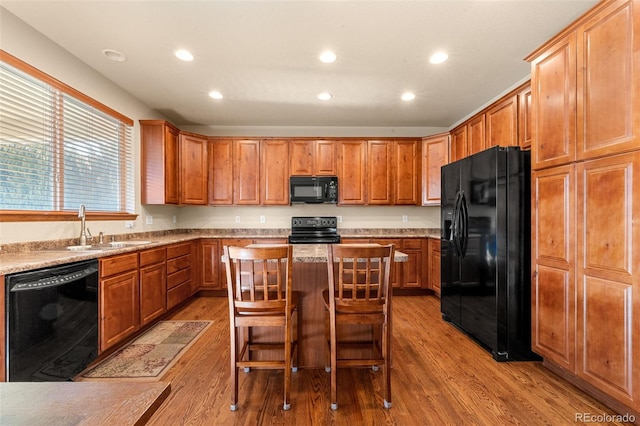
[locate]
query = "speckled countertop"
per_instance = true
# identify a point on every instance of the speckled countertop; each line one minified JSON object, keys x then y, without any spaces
{"x":35,"y":255}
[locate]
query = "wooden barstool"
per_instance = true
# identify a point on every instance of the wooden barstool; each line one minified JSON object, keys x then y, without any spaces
{"x":259,"y":281}
{"x":359,"y":280}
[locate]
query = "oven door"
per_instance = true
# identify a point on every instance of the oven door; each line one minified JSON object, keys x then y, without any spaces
{"x":52,"y":322}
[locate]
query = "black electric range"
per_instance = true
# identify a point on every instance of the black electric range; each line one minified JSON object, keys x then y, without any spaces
{"x":314,"y":230}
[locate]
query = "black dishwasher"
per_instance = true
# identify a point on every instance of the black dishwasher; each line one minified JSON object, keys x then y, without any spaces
{"x":51,"y":322}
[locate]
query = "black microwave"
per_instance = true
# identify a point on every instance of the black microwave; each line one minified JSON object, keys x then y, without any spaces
{"x":314,"y":190}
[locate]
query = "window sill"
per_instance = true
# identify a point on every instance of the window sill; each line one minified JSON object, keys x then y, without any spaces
{"x":38,"y":216}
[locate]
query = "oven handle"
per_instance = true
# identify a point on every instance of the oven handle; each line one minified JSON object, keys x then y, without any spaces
{"x":55,"y":280}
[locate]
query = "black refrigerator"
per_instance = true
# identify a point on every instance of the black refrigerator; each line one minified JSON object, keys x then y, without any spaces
{"x":486,"y":264}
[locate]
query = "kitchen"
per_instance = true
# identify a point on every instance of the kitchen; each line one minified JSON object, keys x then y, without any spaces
{"x":153,"y":218}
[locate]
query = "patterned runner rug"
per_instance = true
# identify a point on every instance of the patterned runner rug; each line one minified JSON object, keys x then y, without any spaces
{"x":150,"y":355}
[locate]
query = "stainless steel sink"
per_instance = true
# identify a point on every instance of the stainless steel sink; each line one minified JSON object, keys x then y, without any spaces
{"x":109,"y":246}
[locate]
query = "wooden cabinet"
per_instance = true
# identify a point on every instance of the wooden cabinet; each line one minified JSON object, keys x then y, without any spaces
{"x":553,"y":268}
{"x":435,"y":154}
{"x":119,"y":299}
{"x":246,"y":172}
{"x":502,"y":123}
{"x":352,"y":172}
{"x":180,"y":263}
{"x":159,"y":181}
{"x":459,"y":143}
{"x":608,"y":293}
{"x":476,"y":134}
{"x":412,"y":269}
{"x":434,"y":265}
{"x":313,"y":157}
{"x":222,"y":272}
{"x":211,"y":253}
{"x":274,"y":172}
{"x":406,"y":176}
{"x":379,"y":178}
{"x":585,"y":185}
{"x":524,"y":117}
{"x":396,"y":267}
{"x":193,"y":169}
{"x":220,"y":152}
{"x":153,"y":284}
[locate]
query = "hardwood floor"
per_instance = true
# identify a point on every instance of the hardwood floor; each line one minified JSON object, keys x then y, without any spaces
{"x":439,"y":377}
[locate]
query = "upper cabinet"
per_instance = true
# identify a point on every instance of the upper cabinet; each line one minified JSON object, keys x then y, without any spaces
{"x":584,"y":87}
{"x":313,"y":158}
{"x":274,"y":172}
{"x":435,"y":154}
{"x":246,"y":172}
{"x":380,"y":176}
{"x":502,"y":123}
{"x":459,"y":143}
{"x":475,"y":134}
{"x":352,"y":172}
{"x":220,"y":172}
{"x":524,"y":117}
{"x":193,"y":169}
{"x":159,"y":162}
{"x":406,"y":172}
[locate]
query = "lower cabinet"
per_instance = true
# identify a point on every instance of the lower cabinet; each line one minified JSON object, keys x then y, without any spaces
{"x":119,"y":299}
{"x":153,"y":284}
{"x":434,"y":265}
{"x":179,"y":267}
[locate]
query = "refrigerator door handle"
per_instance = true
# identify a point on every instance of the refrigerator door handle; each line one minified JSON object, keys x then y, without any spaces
{"x":455,"y":235}
{"x":464,"y":222}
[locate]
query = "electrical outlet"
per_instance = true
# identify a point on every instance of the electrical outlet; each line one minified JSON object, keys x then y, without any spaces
{"x":149,"y":220}
{"x":129,"y":224}
{"x":174,"y":219}
{"x":405,"y":218}
{"x":237,"y":219}
{"x":263,"y":219}
{"x":339,"y":219}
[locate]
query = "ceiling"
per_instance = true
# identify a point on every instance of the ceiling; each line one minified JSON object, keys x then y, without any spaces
{"x":263,"y":55}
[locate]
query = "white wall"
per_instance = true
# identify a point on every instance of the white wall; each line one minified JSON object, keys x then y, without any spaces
{"x":22,"y":41}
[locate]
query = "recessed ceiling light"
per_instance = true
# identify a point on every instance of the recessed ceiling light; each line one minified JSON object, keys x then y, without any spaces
{"x":215,"y":94}
{"x":408,"y":96}
{"x":324,"y":96}
{"x":114,"y":55}
{"x":327,"y":57}
{"x":438,"y":58}
{"x":183,"y":55}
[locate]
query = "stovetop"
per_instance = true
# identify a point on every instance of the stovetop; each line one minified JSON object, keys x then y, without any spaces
{"x":314,"y":230}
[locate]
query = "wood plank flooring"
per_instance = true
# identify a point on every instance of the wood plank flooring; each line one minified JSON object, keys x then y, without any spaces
{"x":439,"y":377}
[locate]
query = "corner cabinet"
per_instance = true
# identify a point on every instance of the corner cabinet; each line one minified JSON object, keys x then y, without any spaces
{"x":586,"y":203}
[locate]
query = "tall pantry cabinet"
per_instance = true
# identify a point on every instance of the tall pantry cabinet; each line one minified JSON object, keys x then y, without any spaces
{"x":586,"y":202}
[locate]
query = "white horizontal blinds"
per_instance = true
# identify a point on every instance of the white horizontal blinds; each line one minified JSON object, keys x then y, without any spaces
{"x":57,"y":152}
{"x":27,"y":151}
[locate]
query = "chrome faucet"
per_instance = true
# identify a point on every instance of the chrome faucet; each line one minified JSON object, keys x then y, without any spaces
{"x":83,"y":231}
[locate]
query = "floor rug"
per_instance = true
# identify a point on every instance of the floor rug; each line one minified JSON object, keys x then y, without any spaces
{"x":149,"y":356}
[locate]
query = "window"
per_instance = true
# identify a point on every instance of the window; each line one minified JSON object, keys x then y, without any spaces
{"x":60,"y":148}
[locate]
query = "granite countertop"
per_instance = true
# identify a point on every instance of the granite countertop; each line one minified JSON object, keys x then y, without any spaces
{"x":36,"y":255}
{"x":317,"y":253}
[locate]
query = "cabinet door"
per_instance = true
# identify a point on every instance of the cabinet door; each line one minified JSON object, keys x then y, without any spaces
{"x":459,"y":143}
{"x":608,"y":276}
{"x":220,"y":172}
{"x":210,"y":264}
{"x":434,"y":265}
{"x":301,"y":160}
{"x":193,"y":170}
{"x":502,"y":123}
{"x":412,"y":269}
{"x":476,"y":134}
{"x":553,"y":83}
{"x":524,"y":118}
{"x":238,"y":242}
{"x":352,"y":172}
{"x":159,"y":163}
{"x":435,"y":154}
{"x":380,"y":163}
{"x":246,"y":172}
{"x":553,"y":268}
{"x":119,"y":308}
{"x":608,"y":82}
{"x":153,"y":292}
{"x":396,"y":267}
{"x":324,"y":160}
{"x":406,"y":172}
{"x":274,"y":172}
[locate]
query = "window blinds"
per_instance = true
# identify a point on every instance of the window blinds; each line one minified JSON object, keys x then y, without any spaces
{"x":57,"y":152}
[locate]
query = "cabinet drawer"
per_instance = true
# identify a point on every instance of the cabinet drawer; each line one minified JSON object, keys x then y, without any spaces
{"x":414,"y":243}
{"x":150,"y":257}
{"x":178,"y":294}
{"x":178,"y":264}
{"x":178,"y":250}
{"x":118,"y":264}
{"x":178,"y":278}
{"x":435,"y":245}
